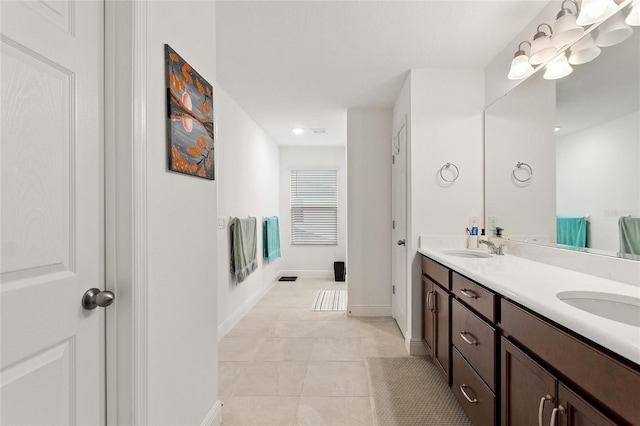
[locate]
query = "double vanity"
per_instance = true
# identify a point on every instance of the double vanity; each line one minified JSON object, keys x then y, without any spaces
{"x":523,"y":343}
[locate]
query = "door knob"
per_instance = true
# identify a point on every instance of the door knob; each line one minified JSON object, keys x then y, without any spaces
{"x":93,"y":298}
{"x":400,"y":242}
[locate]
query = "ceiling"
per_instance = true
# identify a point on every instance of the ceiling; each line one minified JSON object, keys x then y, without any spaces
{"x":303,"y":63}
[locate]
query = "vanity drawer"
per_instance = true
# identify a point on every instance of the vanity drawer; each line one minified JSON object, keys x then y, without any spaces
{"x":436,"y":272}
{"x":595,"y":372}
{"x":479,"y":402}
{"x":480,"y":347}
{"x":479,"y":298}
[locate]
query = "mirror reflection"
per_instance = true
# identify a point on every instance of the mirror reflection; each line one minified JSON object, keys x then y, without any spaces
{"x":580,"y":138}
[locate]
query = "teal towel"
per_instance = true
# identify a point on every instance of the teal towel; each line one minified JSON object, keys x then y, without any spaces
{"x":629,"y":234}
{"x":243,"y":247}
{"x":271,"y":239}
{"x":572,"y":231}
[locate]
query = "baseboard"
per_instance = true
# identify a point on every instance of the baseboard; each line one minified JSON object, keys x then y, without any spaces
{"x":317,"y":274}
{"x":369,"y":310}
{"x":416,"y":347}
{"x":235,"y":318}
{"x":214,"y":417}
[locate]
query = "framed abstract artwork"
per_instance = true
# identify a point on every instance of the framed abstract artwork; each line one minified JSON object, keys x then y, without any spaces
{"x":190,"y":125}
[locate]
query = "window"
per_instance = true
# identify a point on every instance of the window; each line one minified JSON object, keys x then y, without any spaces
{"x":314,"y":207}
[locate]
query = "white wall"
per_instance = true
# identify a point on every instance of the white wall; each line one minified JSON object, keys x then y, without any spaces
{"x":446,"y":111}
{"x":609,"y":154}
{"x":312,"y":259}
{"x":182,"y":252}
{"x":248,"y":185}
{"x":520,"y":128}
{"x":369,"y":134}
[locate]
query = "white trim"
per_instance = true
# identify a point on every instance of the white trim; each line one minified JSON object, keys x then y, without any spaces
{"x":126,"y":210}
{"x":214,"y":417}
{"x":233,"y":319}
{"x":416,"y":347}
{"x":314,"y":168}
{"x":314,"y":274}
{"x":369,"y":310}
{"x":140,"y":284}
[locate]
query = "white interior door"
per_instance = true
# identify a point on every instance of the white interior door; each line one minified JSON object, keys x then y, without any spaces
{"x":52,"y":232}
{"x":399,"y":215}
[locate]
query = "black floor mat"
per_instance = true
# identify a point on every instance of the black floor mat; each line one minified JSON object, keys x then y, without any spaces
{"x":287,"y":278}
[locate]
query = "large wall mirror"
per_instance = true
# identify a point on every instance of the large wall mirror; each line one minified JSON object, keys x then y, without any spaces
{"x":559,"y":153}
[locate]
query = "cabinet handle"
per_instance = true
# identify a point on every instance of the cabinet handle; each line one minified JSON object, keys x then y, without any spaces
{"x":541,"y":408}
{"x":462,"y":389}
{"x":430,"y":301}
{"x":555,"y":411}
{"x":463,"y":334}
{"x":468,"y":293}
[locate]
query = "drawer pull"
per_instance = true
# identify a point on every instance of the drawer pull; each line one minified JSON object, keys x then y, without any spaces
{"x":464,"y":392}
{"x":468,"y":293}
{"x":463,"y":334}
{"x":541,"y":408}
{"x":555,"y":412}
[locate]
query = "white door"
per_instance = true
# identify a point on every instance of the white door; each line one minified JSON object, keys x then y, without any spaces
{"x":399,"y":225}
{"x":52,"y":212}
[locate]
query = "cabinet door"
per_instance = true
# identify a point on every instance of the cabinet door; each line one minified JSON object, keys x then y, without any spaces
{"x":442,"y":335}
{"x":574,"y":411}
{"x":528,"y":390}
{"x":427,"y":314}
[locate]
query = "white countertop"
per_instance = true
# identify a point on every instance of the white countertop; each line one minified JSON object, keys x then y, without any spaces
{"x":534,"y":285}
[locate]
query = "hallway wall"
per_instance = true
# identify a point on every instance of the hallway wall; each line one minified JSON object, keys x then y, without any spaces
{"x":315,"y":259}
{"x":248,"y":185}
{"x":182,"y":253}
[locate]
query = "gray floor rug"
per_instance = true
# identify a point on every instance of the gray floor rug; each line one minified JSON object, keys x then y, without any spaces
{"x":411,"y":391}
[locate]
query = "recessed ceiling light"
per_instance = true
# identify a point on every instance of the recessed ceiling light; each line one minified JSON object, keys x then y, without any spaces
{"x":557,"y":129}
{"x":297,"y":130}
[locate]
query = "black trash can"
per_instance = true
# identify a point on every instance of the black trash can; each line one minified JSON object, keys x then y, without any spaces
{"x":339,"y":271}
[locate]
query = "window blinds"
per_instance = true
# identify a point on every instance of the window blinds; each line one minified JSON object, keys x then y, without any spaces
{"x":314,"y":207}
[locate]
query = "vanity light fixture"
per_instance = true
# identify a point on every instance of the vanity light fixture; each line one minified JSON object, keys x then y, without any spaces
{"x":565,"y":30}
{"x":297,"y":130}
{"x":613,"y":31}
{"x":584,"y":51}
{"x":558,"y":68}
{"x":633,"y":18}
{"x":541,"y":48}
{"x":520,"y":66}
{"x":594,"y":11}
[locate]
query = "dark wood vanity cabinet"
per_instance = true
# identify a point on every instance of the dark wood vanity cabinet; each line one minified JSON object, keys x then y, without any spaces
{"x":532,"y":395}
{"x":507,"y":365}
{"x":436,"y":314}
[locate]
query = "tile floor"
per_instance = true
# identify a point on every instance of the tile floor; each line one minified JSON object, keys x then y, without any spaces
{"x":284,"y":364}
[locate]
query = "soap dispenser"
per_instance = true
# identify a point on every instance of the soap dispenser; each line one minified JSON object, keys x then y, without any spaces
{"x":483,"y":237}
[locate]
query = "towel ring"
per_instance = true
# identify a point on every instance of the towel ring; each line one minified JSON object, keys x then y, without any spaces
{"x":528,"y":169}
{"x":447,"y":166}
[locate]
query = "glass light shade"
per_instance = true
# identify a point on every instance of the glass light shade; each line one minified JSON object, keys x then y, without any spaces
{"x":566,"y":31}
{"x":558,"y":68}
{"x":634,"y":16}
{"x":584,"y":51}
{"x":520,"y":68}
{"x":541,"y":50}
{"x":613,"y":31}
{"x":595,"y":11}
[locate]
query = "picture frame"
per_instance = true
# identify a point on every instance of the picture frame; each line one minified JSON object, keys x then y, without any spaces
{"x":190,"y":119}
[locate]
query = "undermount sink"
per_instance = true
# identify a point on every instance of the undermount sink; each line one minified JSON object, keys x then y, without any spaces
{"x":617,"y":307}
{"x":467,"y":253}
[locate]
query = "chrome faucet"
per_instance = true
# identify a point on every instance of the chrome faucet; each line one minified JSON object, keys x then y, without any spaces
{"x":494,"y":249}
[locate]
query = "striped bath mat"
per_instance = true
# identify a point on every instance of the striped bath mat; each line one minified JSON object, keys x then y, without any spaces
{"x":330,"y":300}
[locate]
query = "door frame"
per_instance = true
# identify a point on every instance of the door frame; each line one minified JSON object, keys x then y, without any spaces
{"x":126,"y":266}
{"x":403,"y":123}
